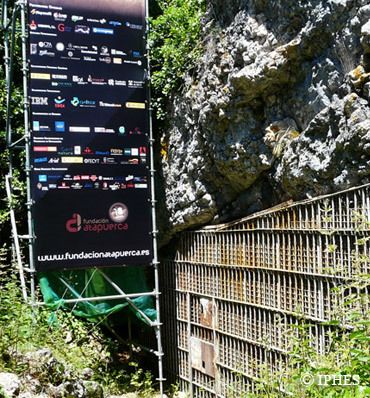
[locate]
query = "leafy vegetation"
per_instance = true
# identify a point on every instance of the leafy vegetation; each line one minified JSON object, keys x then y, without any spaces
{"x":175,"y":46}
{"x":16,"y":119}
{"x":74,"y":343}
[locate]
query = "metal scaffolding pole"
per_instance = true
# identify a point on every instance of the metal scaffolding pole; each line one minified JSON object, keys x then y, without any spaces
{"x":9,"y":48}
{"x":17,"y":249}
{"x":155,"y":263}
{"x":9,"y":58}
{"x":98,"y":298}
{"x":27,"y":135}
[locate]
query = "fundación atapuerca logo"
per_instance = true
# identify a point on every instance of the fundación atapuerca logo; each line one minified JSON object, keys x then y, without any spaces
{"x":118,"y":213}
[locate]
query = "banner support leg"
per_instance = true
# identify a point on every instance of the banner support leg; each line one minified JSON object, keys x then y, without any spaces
{"x":22,"y":4}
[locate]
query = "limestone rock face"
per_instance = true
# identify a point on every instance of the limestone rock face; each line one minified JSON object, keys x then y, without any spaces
{"x":277,"y":108}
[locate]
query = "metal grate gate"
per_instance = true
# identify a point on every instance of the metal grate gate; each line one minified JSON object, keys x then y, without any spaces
{"x":233,"y":291}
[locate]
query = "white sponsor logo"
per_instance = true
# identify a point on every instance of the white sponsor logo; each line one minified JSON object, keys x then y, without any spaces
{"x":46,"y":114}
{"x":48,"y":67}
{"x":60,"y":46}
{"x":120,"y":82}
{"x":117,"y":52}
{"x":135,"y":83}
{"x":109,"y":105}
{"x":39,"y":100}
{"x":107,"y":60}
{"x":76,"y":18}
{"x":43,"y":34}
{"x":36,"y":12}
{"x":59,"y":17}
{"x":103,"y":130}
{"x":41,"y":90}
{"x":89,"y":52}
{"x":59,"y":77}
{"x":102,"y":21}
{"x":47,"y":53}
{"x":43,"y":26}
{"x":38,"y":5}
{"x":45,"y":44}
{"x":79,"y":129}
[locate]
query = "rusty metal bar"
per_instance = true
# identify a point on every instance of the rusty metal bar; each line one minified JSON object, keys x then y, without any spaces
{"x":262,"y":274}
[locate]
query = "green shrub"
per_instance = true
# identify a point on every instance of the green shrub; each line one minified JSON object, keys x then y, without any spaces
{"x":347,"y":359}
{"x":175,"y":46}
{"x":76,"y":344}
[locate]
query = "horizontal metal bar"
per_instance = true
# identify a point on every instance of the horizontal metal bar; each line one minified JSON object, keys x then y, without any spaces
{"x":25,"y":237}
{"x":99,"y":298}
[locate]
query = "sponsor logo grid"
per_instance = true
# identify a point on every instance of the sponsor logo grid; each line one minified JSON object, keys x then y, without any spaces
{"x":89,"y":132}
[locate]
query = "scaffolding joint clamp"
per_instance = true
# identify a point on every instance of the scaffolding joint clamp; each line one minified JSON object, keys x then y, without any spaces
{"x":25,"y":237}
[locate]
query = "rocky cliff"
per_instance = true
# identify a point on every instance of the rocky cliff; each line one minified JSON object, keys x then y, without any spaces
{"x":277,"y":108}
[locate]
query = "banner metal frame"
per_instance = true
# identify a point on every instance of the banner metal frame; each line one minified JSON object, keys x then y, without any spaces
{"x":27,"y":272}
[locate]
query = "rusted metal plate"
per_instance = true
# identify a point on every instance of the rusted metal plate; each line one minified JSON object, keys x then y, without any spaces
{"x":202,"y":356}
{"x":206,"y":312}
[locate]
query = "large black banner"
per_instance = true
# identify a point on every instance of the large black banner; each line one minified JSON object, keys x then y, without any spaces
{"x":89,"y":128}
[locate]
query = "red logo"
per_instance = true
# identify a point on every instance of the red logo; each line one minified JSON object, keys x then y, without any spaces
{"x":33,"y":25}
{"x":74,"y":224}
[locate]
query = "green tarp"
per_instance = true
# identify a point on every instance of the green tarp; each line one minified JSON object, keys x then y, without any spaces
{"x":91,"y":283}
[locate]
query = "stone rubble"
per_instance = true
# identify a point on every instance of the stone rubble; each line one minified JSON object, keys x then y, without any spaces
{"x":44,"y":378}
{"x":10,"y":384}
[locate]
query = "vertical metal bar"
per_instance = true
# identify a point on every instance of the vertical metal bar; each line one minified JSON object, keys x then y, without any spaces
{"x":9,"y":59}
{"x":17,"y":249}
{"x":4,"y":22}
{"x":188,"y":320}
{"x":27,"y":135}
{"x":154,"y":219}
